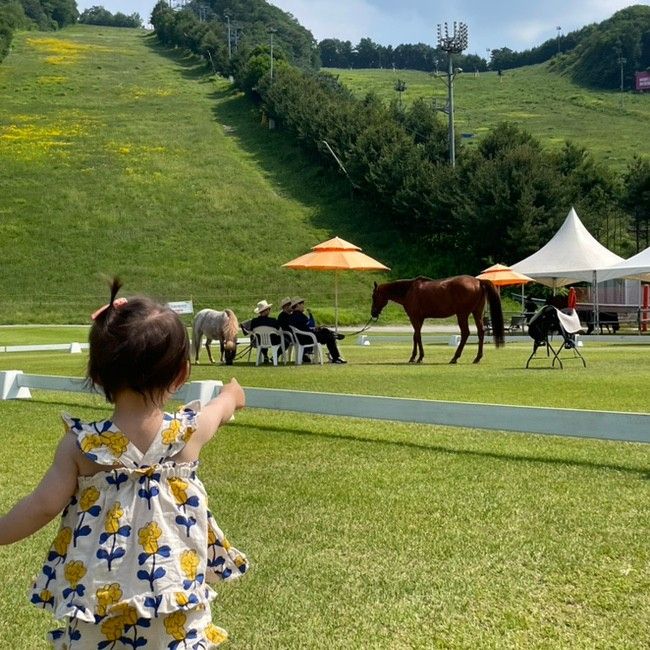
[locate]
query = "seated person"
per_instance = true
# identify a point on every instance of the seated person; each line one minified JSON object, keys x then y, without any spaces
{"x":263,"y":311}
{"x":301,"y":321}
{"x":284,"y":317}
{"x":530,"y":307}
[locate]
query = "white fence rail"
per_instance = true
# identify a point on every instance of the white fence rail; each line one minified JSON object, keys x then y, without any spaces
{"x":608,"y":425}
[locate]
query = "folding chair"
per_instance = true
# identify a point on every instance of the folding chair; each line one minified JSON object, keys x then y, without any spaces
{"x":549,"y":320}
{"x":306,"y":342}
{"x":264,"y":340}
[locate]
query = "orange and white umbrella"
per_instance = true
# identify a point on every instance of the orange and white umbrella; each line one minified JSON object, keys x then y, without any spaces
{"x":336,"y":255}
{"x":503,"y":276}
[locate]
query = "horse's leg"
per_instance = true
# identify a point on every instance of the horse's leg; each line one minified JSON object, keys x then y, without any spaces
{"x":221,"y":348}
{"x":417,"y":340}
{"x":197,"y":346}
{"x":480,"y":330}
{"x":207,"y":347}
{"x":464,"y":335}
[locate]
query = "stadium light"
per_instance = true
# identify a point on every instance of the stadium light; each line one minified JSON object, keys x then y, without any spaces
{"x":452,"y":43}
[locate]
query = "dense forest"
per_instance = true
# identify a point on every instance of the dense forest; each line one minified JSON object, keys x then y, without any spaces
{"x":503,"y":199}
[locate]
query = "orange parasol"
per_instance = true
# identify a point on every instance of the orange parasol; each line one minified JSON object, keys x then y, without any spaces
{"x":336,"y":255}
{"x":503,"y":276}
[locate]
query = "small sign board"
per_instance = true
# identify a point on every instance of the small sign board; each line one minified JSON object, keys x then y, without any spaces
{"x":642,"y":81}
{"x":182,"y":306}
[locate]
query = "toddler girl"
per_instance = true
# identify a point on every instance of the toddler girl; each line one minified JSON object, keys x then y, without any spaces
{"x":137,"y":544}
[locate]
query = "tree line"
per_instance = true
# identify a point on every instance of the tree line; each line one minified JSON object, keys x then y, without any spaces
{"x":504,"y":199}
{"x":100,"y":16}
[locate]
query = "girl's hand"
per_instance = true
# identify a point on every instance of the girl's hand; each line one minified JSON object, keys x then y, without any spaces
{"x":237,"y":392}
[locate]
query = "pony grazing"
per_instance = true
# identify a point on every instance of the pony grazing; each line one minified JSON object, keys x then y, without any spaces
{"x":219,"y":326}
{"x":461,"y":296}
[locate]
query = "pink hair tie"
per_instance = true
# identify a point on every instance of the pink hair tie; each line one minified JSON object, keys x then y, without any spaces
{"x":118,"y":303}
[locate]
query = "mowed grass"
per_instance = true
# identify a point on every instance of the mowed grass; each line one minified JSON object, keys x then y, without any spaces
{"x":118,"y":156}
{"x":366,"y":534}
{"x":547,"y":105}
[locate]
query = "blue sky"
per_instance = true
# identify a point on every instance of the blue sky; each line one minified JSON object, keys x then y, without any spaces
{"x":517,"y":24}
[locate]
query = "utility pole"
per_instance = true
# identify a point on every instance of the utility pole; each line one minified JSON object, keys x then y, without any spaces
{"x":621,"y":60}
{"x":452,"y":44}
{"x":559,"y":29}
{"x":489,"y":56}
{"x":272,"y":31}
{"x":229,"y":43}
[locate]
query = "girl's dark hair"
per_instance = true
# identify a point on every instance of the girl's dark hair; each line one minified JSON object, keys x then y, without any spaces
{"x":139,"y":344}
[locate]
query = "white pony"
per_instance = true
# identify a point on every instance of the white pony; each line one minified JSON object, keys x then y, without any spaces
{"x":220,"y":326}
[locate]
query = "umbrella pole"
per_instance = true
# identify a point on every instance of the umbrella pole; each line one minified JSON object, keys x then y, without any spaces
{"x":336,"y":301}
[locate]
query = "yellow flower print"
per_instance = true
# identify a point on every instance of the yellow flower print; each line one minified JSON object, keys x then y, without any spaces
{"x":45,"y":595}
{"x":113,"y":628}
{"x":240,"y":560}
{"x":117,"y":442}
{"x":188,"y":434}
{"x":215,"y":634}
{"x":178,"y":487}
{"x":88,"y":498}
{"x":190,"y":563}
{"x":106,"y":596}
{"x":128,"y":613}
{"x":90,"y":442}
{"x":62,"y":541}
{"x":149,"y":536}
{"x":170,"y":434}
{"x":226,"y":544}
{"x":112,"y":523}
{"x":181,"y":598}
{"x":74,"y":572}
{"x":212,"y":536}
{"x":175,"y":625}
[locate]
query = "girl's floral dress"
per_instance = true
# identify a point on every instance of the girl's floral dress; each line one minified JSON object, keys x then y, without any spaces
{"x":137,"y":547}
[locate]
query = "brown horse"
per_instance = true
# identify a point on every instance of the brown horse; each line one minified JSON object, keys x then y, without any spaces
{"x":426,"y":298}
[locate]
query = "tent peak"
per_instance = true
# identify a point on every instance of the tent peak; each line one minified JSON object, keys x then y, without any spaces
{"x":336,"y":244}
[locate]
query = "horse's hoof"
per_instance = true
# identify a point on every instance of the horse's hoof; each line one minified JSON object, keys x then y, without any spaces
{"x":476,"y":360}
{"x":411,"y":360}
{"x":419,"y":361}
{"x":453,"y":361}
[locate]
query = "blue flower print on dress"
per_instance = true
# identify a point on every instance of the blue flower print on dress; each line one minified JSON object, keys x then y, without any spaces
{"x":148,"y":537}
{"x":149,"y":479}
{"x":112,"y":530}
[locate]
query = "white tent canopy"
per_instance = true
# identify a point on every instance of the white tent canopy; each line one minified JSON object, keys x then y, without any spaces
{"x":572,"y":255}
{"x":636,"y":267}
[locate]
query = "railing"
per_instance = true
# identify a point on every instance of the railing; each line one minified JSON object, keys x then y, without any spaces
{"x":608,"y":425}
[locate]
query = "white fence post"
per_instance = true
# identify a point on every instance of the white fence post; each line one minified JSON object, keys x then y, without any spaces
{"x":10,"y":388}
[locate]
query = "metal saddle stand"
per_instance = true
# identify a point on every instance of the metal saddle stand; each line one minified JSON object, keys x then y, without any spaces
{"x":542,"y":334}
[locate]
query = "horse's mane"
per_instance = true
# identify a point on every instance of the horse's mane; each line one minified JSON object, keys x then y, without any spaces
{"x":231,"y":327}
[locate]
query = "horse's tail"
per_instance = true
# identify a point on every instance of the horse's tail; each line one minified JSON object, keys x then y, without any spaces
{"x":230,"y":328}
{"x":496,"y":313}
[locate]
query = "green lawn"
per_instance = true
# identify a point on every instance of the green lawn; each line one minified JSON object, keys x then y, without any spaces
{"x":546,"y":104}
{"x":119,"y":156}
{"x":374,"y":534}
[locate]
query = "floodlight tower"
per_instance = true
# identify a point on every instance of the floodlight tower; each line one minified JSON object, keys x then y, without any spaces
{"x":453,"y":43}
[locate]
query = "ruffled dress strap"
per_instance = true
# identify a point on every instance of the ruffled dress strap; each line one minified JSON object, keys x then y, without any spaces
{"x":103,"y":443}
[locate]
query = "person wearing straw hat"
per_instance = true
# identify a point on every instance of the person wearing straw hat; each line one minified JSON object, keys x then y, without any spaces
{"x":323,"y":334}
{"x":284,"y":316}
{"x":263,"y":311}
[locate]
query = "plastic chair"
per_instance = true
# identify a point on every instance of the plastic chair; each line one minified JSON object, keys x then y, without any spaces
{"x":263,"y":339}
{"x":306,"y":342}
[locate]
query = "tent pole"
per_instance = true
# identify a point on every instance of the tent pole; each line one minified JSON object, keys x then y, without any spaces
{"x":596,"y":306}
{"x":336,"y":301}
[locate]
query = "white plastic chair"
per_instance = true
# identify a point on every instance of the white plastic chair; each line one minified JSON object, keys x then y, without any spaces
{"x":262,"y":335}
{"x":300,"y":339}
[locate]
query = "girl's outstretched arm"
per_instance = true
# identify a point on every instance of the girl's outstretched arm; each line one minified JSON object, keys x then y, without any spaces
{"x":219,"y":410}
{"x":47,"y":500}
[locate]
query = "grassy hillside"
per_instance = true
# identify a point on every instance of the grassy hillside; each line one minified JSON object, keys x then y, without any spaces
{"x":117,"y":156}
{"x":548,"y":105}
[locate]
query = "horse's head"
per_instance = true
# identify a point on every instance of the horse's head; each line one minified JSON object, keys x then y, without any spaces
{"x":230,"y":351}
{"x":379,"y":301}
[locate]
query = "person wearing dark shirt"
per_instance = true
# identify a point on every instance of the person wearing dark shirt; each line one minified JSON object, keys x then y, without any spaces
{"x":284,"y":317}
{"x":305,"y":323}
{"x":263,"y":311}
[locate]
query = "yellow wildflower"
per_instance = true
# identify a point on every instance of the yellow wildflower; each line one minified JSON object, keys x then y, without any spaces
{"x":189,"y":563}
{"x":88,"y":498}
{"x":112,"y":523}
{"x":178,"y":487}
{"x":106,"y":596}
{"x":148,"y":536}
{"x":215,"y":634}
{"x":174,"y":624}
{"x":170,"y":435}
{"x":74,"y":572}
{"x":62,"y":541}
